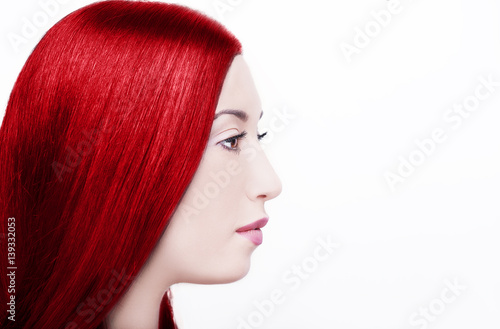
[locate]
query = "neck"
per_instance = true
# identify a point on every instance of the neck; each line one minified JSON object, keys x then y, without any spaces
{"x":139,"y":307}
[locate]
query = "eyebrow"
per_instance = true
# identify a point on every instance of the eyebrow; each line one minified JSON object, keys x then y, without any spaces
{"x":242,"y":115}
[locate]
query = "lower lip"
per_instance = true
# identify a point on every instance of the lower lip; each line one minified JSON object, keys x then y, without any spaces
{"x":253,"y":235}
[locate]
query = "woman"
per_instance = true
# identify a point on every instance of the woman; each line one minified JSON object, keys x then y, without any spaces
{"x":129,"y":161}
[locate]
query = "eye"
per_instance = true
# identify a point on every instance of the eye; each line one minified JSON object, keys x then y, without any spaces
{"x":231,"y":143}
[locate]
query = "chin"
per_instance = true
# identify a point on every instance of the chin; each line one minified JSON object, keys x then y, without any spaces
{"x":237,"y":276}
{"x":226,"y":275}
{"x":237,"y":272}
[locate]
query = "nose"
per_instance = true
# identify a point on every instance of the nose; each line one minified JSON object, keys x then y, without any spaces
{"x":263,"y":183}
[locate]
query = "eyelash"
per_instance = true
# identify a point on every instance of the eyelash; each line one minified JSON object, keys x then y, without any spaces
{"x":237,"y":138}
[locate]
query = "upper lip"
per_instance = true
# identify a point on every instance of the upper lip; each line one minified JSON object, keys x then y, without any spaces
{"x":252,"y":226}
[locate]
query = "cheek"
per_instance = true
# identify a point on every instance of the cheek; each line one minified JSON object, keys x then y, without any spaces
{"x":211,"y":227}
{"x":217,"y":192}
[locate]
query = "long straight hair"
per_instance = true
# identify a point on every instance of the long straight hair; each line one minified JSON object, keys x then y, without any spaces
{"x":103,"y":132}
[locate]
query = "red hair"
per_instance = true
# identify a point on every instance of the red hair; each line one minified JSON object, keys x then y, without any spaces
{"x":103,"y":132}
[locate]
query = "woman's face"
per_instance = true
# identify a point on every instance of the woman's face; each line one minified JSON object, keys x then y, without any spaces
{"x":206,"y":240}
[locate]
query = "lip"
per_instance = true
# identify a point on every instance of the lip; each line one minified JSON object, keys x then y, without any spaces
{"x":252,"y":226}
{"x":252,"y":231}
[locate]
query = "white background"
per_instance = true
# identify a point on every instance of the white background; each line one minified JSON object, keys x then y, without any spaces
{"x":353,"y":122}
